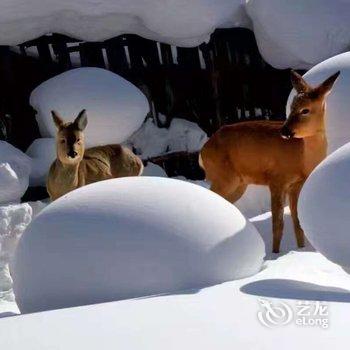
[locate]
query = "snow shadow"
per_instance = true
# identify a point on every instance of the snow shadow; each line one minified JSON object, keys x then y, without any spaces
{"x":292,"y":289}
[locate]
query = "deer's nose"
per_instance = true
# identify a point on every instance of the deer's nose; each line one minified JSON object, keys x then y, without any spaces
{"x":72,"y":154}
{"x":286,"y":133}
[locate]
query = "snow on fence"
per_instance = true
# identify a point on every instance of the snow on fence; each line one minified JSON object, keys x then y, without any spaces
{"x":220,"y":82}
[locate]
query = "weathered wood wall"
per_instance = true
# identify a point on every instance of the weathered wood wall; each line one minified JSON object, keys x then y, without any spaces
{"x":223,"y":81}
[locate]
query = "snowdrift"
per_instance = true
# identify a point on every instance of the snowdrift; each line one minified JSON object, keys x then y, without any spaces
{"x":131,"y":237}
{"x":182,"y":135}
{"x":300,"y":34}
{"x":324,"y":207}
{"x":43,"y":153}
{"x":15,"y":167}
{"x":277,"y":24}
{"x":181,"y":22}
{"x":338,"y":102}
{"x":115,"y":107}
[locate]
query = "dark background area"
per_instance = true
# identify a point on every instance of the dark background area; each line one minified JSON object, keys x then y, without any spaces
{"x":220,"y":82}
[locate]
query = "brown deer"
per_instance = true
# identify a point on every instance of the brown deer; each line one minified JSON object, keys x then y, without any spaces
{"x":75,"y":167}
{"x":280,"y":155}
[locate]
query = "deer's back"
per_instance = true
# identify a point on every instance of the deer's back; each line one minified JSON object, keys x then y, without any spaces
{"x":254,"y":150}
{"x":105,"y":162}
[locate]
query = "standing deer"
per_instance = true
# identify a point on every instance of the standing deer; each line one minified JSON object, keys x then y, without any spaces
{"x":280,"y":155}
{"x":75,"y":167}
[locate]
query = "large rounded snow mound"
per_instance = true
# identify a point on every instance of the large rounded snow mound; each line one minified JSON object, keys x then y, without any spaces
{"x":115,"y":107}
{"x":324,"y":207}
{"x":131,"y":237}
{"x":300,"y":33}
{"x":43,"y":153}
{"x":15,"y":168}
{"x":179,"y":22}
{"x":338,"y":102}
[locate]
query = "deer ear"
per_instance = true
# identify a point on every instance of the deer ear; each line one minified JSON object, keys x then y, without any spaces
{"x":326,"y":87}
{"x":298,"y":82}
{"x":57,"y":119}
{"x":81,"y":120}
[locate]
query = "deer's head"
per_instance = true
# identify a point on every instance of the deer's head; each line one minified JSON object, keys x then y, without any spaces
{"x":70,"y":143}
{"x":307,"y":110}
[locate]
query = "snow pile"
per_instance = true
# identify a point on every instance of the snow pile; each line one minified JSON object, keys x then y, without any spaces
{"x":131,"y":237}
{"x":277,"y":24}
{"x":14,"y":218}
{"x":15,"y":167}
{"x":115,"y":107}
{"x":179,"y":22}
{"x":152,"y":169}
{"x":182,"y":135}
{"x":299,"y":33}
{"x":324,"y":207}
{"x":43,"y":153}
{"x":338,"y":102}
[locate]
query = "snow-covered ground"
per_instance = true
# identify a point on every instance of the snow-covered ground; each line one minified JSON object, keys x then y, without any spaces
{"x":235,"y":314}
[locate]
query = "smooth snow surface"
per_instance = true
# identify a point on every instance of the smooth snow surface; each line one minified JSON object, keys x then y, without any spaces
{"x":324,"y":207}
{"x":131,"y":237}
{"x":15,"y":167}
{"x":182,"y":135}
{"x":179,"y":22}
{"x":221,"y":317}
{"x":299,"y":34}
{"x":43,"y":153}
{"x":338,"y":102}
{"x":115,"y":107}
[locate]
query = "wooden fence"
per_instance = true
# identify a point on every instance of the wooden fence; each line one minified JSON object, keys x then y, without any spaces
{"x":223,"y":81}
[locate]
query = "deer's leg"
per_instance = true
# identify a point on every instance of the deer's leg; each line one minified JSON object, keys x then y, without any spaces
{"x":277,"y":203}
{"x":237,"y":193}
{"x":293,"y":205}
{"x":231,"y":190}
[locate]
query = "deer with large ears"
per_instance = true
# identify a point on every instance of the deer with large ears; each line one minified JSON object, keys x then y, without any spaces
{"x":76,"y":166}
{"x":280,"y":155}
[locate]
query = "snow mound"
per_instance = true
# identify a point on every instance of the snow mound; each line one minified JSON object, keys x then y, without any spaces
{"x":324,"y":207}
{"x":182,"y":135}
{"x":152,"y":169}
{"x":15,"y":168}
{"x":14,"y":219}
{"x":338,"y":102}
{"x":278,"y":25}
{"x":115,"y":107}
{"x":179,"y":22}
{"x":43,"y":153}
{"x":131,"y":237}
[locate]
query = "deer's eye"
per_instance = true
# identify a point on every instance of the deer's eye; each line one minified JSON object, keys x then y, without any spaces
{"x":62,"y":140}
{"x":305,"y":111}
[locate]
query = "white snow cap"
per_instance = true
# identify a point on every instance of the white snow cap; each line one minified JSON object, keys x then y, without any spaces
{"x":299,"y":33}
{"x":115,"y":107}
{"x":131,"y":237}
{"x":182,"y":135}
{"x":43,"y":153}
{"x":324,"y":207}
{"x":179,"y":22}
{"x":15,"y":168}
{"x":338,"y":102}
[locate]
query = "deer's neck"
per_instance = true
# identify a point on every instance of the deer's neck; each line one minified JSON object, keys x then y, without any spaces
{"x":68,"y":173}
{"x":315,"y":149}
